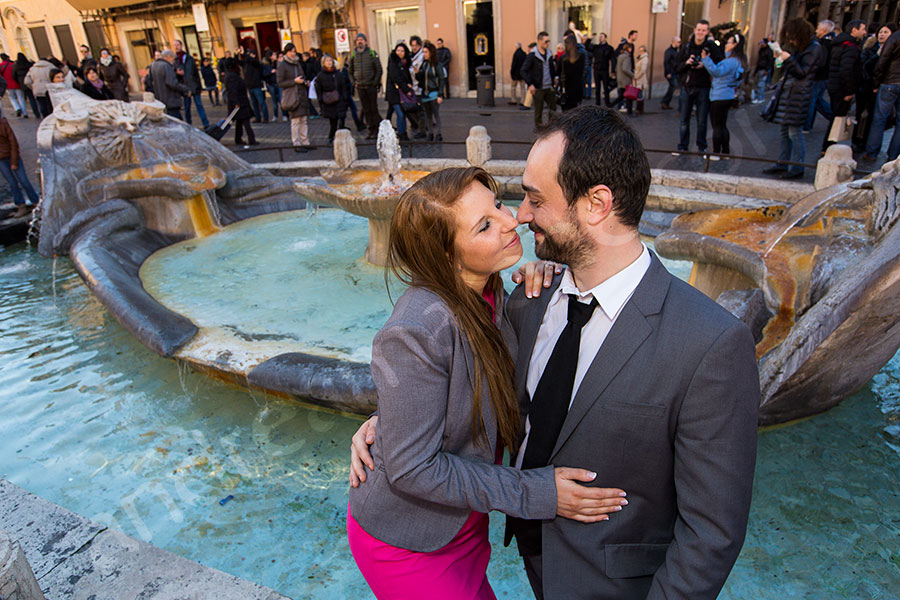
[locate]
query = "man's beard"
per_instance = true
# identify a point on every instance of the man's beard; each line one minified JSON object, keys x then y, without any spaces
{"x":569,"y":245}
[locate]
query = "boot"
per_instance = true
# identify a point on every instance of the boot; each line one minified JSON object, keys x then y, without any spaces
{"x":403,"y":137}
{"x":640,"y":107}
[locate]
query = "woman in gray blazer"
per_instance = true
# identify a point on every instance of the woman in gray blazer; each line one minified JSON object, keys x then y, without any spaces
{"x":443,"y":370}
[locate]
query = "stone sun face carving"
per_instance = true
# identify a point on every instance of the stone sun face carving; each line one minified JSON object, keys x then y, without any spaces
{"x":108,"y":125}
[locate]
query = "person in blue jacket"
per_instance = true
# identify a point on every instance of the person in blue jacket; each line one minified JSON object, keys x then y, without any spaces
{"x":726,"y":78}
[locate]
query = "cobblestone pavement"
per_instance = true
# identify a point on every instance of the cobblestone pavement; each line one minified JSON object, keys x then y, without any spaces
{"x":511,"y":131}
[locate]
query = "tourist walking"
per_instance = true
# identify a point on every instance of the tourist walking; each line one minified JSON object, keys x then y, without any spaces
{"x":417,"y":526}
{"x":539,"y":73}
{"x":695,"y":84}
{"x":399,"y":90}
{"x":14,"y":171}
{"x":95,"y":87}
{"x":431,"y":80}
{"x":641,"y":76}
{"x":624,"y":77}
{"x":37,"y":79}
{"x":236,"y":97}
{"x":364,"y":68}
{"x":330,"y":91}
{"x":166,"y":86}
{"x":210,"y":82}
{"x":866,"y":94}
{"x":844,"y":73}
{"x":360,"y":126}
{"x":294,"y":96}
{"x":825,"y":35}
{"x":114,"y":74}
{"x":253,"y":79}
{"x":726,"y":78}
{"x":189,"y":76}
{"x":670,"y":64}
{"x":798,"y":77}
{"x":604,"y":68}
{"x":515,"y":74}
{"x":887,"y":102}
{"x":765,"y":66}
{"x":444,"y":57}
{"x":270,"y":80}
{"x":571,"y":74}
{"x":16,"y":94}
{"x":20,"y":70}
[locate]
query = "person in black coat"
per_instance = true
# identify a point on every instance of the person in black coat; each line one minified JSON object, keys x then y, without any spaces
{"x":695,"y":83}
{"x":252,"y":70}
{"x":571,"y":71}
{"x":765,"y":66}
{"x":331,"y":90}
{"x":539,"y":73}
{"x":209,"y":80}
{"x":604,"y":68}
{"x":670,"y":62}
{"x":865,"y":96}
{"x":844,"y":70}
{"x":798,"y":77}
{"x":399,"y":80}
{"x":236,"y":96}
{"x":518,"y":84}
{"x":94,"y":87}
{"x":20,"y":70}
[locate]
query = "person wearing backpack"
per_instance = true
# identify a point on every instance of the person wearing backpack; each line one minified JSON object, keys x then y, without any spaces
{"x":726,"y":78}
{"x":364,"y":68}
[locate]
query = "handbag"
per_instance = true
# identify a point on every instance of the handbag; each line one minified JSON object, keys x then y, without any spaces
{"x":408,"y":102}
{"x":768,"y":113}
{"x":290,"y":99}
{"x":331,"y":97}
{"x":841,"y":129}
{"x":632,"y":92}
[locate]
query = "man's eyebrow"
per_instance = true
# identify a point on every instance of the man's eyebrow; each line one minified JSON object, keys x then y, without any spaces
{"x":530,"y":189}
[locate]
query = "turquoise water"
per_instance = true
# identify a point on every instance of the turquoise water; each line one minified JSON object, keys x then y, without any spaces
{"x":94,"y":421}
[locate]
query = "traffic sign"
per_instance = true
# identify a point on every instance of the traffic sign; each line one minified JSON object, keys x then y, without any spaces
{"x":341,"y":40}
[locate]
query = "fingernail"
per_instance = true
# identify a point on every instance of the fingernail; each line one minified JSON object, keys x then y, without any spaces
{"x":623,"y":502}
{"x":593,"y":475}
{"x":623,"y":494}
{"x":605,"y":519}
{"x":618,"y":508}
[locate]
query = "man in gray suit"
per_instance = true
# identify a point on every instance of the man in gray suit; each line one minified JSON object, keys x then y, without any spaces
{"x":660,"y":391}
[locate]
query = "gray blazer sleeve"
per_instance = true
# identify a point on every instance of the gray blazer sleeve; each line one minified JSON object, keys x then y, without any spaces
{"x":411,"y":368}
{"x":715,"y":455}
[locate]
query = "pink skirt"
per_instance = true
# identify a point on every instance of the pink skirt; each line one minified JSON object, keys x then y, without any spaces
{"x":458,"y":571}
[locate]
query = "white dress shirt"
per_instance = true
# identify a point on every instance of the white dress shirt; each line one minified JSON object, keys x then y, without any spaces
{"x":611,"y":295}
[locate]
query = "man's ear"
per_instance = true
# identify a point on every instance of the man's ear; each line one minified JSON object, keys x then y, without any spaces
{"x":598,"y":204}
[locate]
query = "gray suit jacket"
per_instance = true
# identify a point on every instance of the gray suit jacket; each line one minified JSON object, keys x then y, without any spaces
{"x":667,"y":412}
{"x":429,"y":473}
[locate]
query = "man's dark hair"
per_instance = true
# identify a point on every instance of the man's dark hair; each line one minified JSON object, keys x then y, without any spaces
{"x":416,"y":39}
{"x":441,"y":40}
{"x":532,"y":45}
{"x":4,"y":56}
{"x":632,"y":32}
{"x":702,"y":22}
{"x":288,"y":47}
{"x":601,"y":149}
{"x":543,"y":34}
{"x":855,"y":24}
{"x":104,"y":48}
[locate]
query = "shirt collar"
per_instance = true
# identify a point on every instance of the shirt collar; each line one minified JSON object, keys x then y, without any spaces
{"x":613,"y":293}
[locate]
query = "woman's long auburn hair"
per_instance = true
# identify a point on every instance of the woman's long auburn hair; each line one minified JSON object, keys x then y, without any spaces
{"x":422,"y":252}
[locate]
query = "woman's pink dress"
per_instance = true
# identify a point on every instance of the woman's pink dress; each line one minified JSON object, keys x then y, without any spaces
{"x":458,"y":571}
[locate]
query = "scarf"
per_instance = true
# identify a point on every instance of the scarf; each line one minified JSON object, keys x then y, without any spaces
{"x":106,"y":60}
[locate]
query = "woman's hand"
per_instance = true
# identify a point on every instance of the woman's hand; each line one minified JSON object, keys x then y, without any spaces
{"x":535,"y":274}
{"x":785,"y":55}
{"x":582,"y":503}
{"x":439,"y":100}
{"x":704,"y":53}
{"x":359,"y":451}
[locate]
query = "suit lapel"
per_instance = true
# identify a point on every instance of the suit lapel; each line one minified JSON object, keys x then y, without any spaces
{"x":531,"y":322}
{"x":626,"y":336}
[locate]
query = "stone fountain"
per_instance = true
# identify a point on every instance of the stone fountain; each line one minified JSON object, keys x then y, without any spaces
{"x":818,"y":282}
{"x":370,"y":194}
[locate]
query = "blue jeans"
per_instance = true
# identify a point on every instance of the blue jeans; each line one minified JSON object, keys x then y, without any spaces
{"x":819,"y":103}
{"x":691,"y":97}
{"x":258,"y":102}
{"x":888,"y":99}
{"x":18,"y":181}
{"x":198,"y":100}
{"x":275,"y":92}
{"x":793,"y":146}
{"x":401,"y":118}
{"x":764,"y":78}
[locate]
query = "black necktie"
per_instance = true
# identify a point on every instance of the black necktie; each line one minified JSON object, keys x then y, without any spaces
{"x":550,"y":403}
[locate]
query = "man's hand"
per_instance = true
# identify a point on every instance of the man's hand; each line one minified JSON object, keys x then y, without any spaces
{"x":585,"y":504}
{"x":848,"y":98}
{"x":298,"y":79}
{"x":439,"y":100}
{"x":359,"y":452}
{"x":531,"y":90}
{"x":536,"y":274}
{"x":13,"y":166}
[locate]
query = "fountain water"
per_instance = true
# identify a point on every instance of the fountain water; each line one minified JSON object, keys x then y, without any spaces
{"x":370,"y":194}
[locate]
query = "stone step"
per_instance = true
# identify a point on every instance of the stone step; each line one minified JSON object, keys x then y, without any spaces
{"x":678,"y":199}
{"x":755,"y":187}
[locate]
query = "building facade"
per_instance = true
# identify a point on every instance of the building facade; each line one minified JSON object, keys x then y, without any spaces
{"x":478,"y":32}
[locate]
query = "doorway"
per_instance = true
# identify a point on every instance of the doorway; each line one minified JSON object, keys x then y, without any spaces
{"x":479,"y":18}
{"x":325,"y":25}
{"x":260,"y":36}
{"x":391,"y":26}
{"x":66,"y":44}
{"x":41,"y":42}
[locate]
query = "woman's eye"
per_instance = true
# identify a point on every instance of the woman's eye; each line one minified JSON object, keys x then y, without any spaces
{"x":485,"y":227}
{"x":498,"y":204}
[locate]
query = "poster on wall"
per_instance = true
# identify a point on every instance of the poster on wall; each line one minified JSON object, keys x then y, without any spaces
{"x":200,"y":20}
{"x":660,"y":6}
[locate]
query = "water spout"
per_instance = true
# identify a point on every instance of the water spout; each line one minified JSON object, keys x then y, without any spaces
{"x":388,"y":151}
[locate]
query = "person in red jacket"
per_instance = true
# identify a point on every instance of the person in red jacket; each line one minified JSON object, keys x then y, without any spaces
{"x":13,"y":170}
{"x":16,"y":93}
